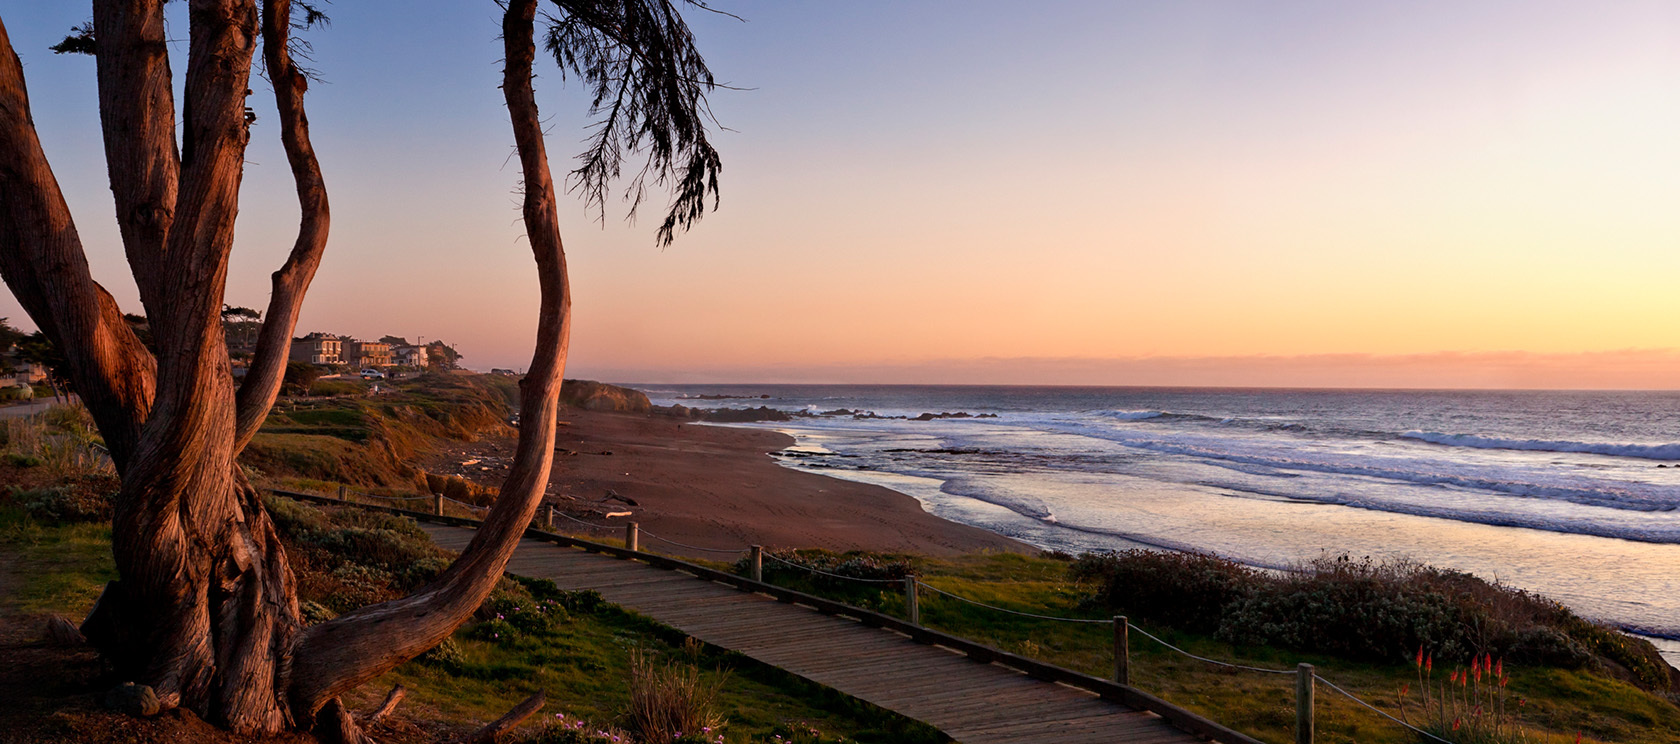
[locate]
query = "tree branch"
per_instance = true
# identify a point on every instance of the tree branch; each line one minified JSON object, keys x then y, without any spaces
{"x":291,"y":282}
{"x":137,"y":117}
{"x":340,"y":654}
{"x":42,"y":261}
{"x":513,"y":717}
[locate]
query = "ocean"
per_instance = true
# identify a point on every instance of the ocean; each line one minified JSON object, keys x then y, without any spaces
{"x":1570,"y":494}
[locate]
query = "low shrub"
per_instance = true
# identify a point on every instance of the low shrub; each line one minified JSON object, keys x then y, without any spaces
{"x":64,"y":504}
{"x":851,"y":565}
{"x":1362,"y":610}
{"x":670,"y":701}
{"x":1189,"y":591}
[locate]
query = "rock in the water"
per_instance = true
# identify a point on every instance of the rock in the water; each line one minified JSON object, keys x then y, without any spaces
{"x":61,"y":632}
{"x":132,"y":699}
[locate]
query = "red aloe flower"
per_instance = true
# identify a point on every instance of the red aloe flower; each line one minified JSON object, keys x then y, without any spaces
{"x":1429,"y":664}
{"x":1499,"y":671}
{"x":1420,"y":657}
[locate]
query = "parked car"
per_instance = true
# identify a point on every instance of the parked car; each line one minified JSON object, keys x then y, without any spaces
{"x":372,"y":374}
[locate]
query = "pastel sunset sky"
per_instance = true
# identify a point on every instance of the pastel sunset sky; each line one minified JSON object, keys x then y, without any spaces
{"x":1397,"y":194}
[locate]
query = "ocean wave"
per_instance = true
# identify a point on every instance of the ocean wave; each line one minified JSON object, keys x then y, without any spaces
{"x":1275,"y":459}
{"x":1134,"y":415}
{"x":1645,"y":451}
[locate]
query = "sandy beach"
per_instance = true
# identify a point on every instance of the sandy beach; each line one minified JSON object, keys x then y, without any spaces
{"x":717,"y":487}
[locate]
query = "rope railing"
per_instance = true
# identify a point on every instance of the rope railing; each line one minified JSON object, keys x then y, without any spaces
{"x":1378,"y":711}
{"x":591,"y":525}
{"x":694,"y":547}
{"x":1013,"y":612}
{"x":1215,"y":662}
{"x":779,"y":559}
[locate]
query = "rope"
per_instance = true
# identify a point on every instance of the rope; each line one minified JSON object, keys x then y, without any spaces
{"x":470,"y":507}
{"x":586,"y":524}
{"x":1377,"y":710}
{"x":1215,"y":662}
{"x":692,"y":547}
{"x":773,"y":557}
{"x":392,"y":498}
{"x":1013,"y":612}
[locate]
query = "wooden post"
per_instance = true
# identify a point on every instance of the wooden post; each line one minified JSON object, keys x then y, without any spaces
{"x":758,"y":563}
{"x":550,"y":518}
{"x":631,"y":537}
{"x":912,"y":603}
{"x":1304,"y":704}
{"x":437,"y":504}
{"x":1122,"y":650}
{"x":343,"y":492}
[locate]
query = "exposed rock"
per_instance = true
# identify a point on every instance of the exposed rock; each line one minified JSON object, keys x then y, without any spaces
{"x":599,"y":396}
{"x":739,"y":415}
{"x":134,"y":700}
{"x":677,"y":410}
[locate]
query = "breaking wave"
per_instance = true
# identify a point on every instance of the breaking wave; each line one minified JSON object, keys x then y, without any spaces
{"x":1646,"y":451}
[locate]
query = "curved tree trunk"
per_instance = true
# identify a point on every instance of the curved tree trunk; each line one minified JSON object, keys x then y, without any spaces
{"x":338,"y":655}
{"x":205,"y":611}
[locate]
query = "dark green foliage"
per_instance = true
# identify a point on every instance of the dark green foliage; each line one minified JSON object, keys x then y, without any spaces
{"x":299,"y":377}
{"x":80,"y":41}
{"x":1189,"y":591}
{"x":446,"y":656}
{"x":1359,"y":609}
{"x":347,"y":558}
{"x":63,"y":504}
{"x":649,"y":86}
{"x":17,"y":459}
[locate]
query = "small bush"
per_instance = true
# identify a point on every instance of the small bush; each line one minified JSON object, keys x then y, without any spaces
{"x":64,"y":504}
{"x":852,"y":565}
{"x":1189,"y":591}
{"x":22,"y":461}
{"x":670,"y":700}
{"x":446,"y":656}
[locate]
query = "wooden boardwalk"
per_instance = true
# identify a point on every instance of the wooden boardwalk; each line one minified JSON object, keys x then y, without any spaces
{"x":973,"y":702}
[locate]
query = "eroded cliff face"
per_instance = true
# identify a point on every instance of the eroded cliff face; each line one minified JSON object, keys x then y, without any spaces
{"x":599,"y":396}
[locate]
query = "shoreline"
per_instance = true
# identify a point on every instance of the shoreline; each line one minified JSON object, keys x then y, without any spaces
{"x":716,"y":488}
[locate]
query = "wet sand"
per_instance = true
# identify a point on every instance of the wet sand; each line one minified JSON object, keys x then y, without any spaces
{"x":717,"y":487}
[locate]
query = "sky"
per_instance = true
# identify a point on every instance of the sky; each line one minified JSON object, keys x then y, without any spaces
{"x":1291,"y":193}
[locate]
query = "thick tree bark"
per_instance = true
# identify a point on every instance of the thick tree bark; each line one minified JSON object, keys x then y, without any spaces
{"x":205,"y":611}
{"x":347,"y":651}
{"x":137,"y":114}
{"x":43,"y":263}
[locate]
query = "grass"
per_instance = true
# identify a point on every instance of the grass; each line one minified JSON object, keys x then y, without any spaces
{"x":1559,"y":702}
{"x":52,"y":569}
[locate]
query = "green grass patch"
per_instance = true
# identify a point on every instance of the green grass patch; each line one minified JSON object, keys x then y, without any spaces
{"x":52,"y":569}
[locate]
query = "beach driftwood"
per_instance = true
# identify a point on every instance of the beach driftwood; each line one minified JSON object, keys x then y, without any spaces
{"x":501,"y":725}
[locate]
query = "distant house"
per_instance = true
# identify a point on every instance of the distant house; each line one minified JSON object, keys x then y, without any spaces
{"x":374,"y":354}
{"x":318,"y":348}
{"x":409,"y":356}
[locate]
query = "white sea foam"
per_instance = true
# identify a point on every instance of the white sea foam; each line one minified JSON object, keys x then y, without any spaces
{"x":1646,"y":451}
{"x":1134,"y":415}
